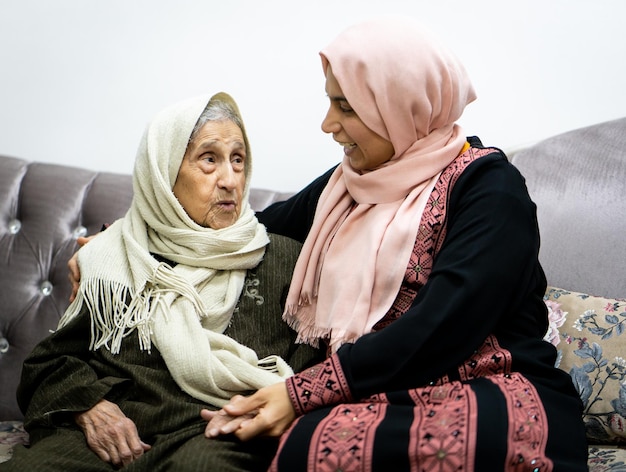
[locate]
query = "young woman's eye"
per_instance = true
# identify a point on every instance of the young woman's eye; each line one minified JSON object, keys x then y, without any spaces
{"x":345,"y":107}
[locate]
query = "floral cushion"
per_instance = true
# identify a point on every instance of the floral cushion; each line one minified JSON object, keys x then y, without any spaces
{"x":588,"y":332}
{"x":607,"y":459}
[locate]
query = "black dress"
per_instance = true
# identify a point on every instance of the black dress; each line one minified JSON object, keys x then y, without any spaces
{"x":457,"y":375}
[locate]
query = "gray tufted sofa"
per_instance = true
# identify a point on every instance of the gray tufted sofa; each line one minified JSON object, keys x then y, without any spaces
{"x":43,"y":209}
{"x":577,"y":179}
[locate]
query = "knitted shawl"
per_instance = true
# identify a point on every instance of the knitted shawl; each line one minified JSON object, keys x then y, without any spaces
{"x":183,"y":310}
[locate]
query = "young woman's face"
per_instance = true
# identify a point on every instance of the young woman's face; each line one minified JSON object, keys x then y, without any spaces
{"x":365,"y":149}
{"x":211,"y":178}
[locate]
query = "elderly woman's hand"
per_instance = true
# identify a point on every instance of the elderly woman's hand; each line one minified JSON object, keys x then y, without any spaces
{"x":72,"y":265}
{"x":269,"y":413}
{"x":111,"y":434}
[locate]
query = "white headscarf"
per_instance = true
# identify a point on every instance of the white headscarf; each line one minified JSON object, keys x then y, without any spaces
{"x":182,"y":310}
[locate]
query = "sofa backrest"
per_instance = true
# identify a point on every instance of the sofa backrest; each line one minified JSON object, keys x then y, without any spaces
{"x":578,"y":181}
{"x":43,"y":209}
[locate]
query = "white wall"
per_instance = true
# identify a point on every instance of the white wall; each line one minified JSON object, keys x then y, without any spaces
{"x":79,"y":79}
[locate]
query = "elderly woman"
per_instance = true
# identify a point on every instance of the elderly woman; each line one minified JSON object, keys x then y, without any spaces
{"x":178,"y":309}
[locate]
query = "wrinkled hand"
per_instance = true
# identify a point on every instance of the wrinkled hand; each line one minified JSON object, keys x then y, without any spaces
{"x":274,"y":414}
{"x":111,"y":434}
{"x":72,"y":265}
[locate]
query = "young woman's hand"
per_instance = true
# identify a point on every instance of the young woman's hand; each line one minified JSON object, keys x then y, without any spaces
{"x":268,"y":412}
{"x":72,"y":265}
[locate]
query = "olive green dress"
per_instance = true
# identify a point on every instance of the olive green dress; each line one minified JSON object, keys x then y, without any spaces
{"x":62,"y":376}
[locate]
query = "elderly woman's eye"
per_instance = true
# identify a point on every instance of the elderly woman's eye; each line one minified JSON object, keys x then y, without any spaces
{"x":238,"y":161}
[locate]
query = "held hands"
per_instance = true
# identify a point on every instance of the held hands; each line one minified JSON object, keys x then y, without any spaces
{"x":267,"y":412}
{"x":72,"y":265}
{"x":221,"y":422}
{"x":111,"y":434}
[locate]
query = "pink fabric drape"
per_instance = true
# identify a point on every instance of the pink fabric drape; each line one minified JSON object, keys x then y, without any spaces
{"x":410,"y":90}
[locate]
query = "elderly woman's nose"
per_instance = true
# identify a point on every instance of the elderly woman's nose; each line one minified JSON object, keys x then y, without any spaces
{"x":226,"y":177}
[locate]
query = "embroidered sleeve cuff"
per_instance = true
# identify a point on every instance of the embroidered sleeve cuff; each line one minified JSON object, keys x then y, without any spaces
{"x":320,"y":385}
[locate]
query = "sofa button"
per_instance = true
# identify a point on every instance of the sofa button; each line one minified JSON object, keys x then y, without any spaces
{"x":4,"y":345}
{"x":46,"y":288}
{"x":79,"y":232}
{"x":15,"y":226}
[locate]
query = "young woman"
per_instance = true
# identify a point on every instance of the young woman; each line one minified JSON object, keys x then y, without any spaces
{"x":420,"y":275}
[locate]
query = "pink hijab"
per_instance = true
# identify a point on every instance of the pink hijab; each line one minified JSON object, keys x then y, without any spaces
{"x":409,"y":90}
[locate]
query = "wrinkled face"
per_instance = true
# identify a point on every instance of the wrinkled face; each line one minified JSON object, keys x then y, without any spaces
{"x":365,"y":149}
{"x":211,"y":178}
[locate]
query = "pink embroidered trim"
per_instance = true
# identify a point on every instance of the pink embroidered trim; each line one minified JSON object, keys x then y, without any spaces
{"x":528,"y":425}
{"x":344,"y":440}
{"x":430,"y":235}
{"x":489,"y":359}
{"x":443,"y":433}
{"x":322,"y":384}
{"x":281,"y":444}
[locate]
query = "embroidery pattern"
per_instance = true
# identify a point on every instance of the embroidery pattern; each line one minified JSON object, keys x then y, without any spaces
{"x":322,"y":384}
{"x":527,"y":436}
{"x":251,"y":290}
{"x":344,"y":440}
{"x":443,"y":433}
{"x":489,"y":359}
{"x":430,"y":235}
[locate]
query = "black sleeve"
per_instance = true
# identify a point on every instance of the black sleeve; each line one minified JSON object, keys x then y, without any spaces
{"x":293,"y":217}
{"x":57,"y":378}
{"x":485,"y":271}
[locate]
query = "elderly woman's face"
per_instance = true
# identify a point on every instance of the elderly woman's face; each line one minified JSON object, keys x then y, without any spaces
{"x":211,"y":178}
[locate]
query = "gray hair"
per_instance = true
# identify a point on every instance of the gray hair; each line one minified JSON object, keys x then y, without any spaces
{"x":216,"y":110}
